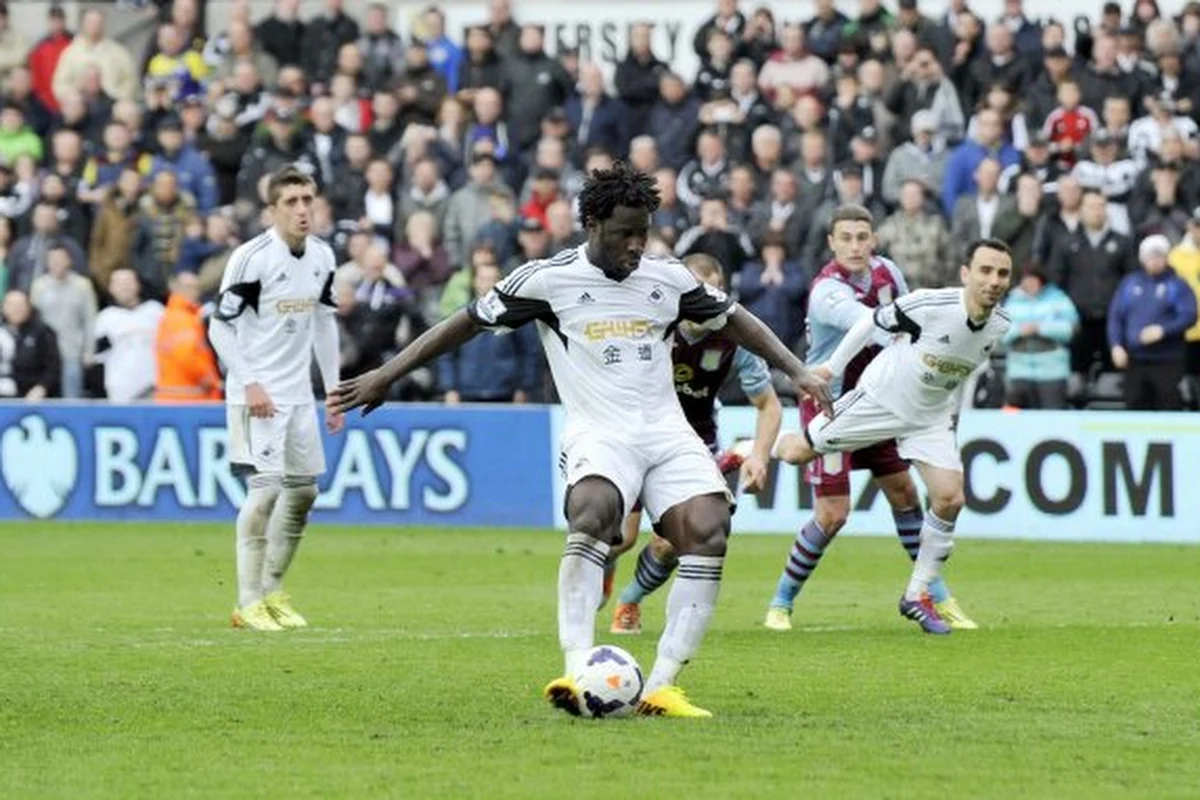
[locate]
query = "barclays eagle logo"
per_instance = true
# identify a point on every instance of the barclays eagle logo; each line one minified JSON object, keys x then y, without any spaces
{"x":39,"y":465}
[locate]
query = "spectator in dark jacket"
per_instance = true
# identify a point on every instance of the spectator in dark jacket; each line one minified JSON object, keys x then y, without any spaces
{"x":490,"y":369}
{"x":282,"y":34}
{"x":1150,"y":312}
{"x":27,"y":258}
{"x":595,"y":119}
{"x":715,"y":237}
{"x":30,"y":365}
{"x":1088,"y":266}
{"x":481,"y":66}
{"x":673,"y":121}
{"x":323,"y":37}
{"x":382,"y":49}
{"x":774,"y":288}
{"x":706,"y":175}
{"x":535,"y":84}
{"x":637,"y":79}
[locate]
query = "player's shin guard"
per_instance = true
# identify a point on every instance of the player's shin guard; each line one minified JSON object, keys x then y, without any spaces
{"x":648,"y":577}
{"x":580,"y":587}
{"x":286,"y":528}
{"x":690,"y":608}
{"x":937,"y":540}
{"x":252,"y":520}
{"x":909,"y":522}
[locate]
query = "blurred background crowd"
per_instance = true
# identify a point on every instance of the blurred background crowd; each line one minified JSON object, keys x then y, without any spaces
{"x":447,"y":157}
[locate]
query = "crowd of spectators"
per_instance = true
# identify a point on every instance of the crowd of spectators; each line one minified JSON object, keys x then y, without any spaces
{"x":447,"y":157}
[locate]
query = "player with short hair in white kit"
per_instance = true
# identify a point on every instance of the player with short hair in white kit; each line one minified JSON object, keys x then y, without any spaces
{"x":606,"y":313}
{"x":910,"y":392}
{"x":274,"y":313}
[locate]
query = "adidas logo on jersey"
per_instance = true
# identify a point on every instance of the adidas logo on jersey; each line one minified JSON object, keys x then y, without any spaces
{"x":586,"y":298}
{"x":944,"y":339}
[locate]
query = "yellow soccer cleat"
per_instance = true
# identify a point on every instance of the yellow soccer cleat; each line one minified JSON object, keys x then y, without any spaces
{"x":563,"y":694}
{"x":670,"y":701}
{"x":627,"y":619}
{"x":778,"y":619}
{"x":255,"y":617}
{"x":280,"y":605}
{"x":954,"y":616}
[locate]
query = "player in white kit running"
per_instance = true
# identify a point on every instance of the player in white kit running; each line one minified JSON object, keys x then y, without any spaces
{"x":911,"y":391}
{"x":606,"y":313}
{"x":274,"y":313}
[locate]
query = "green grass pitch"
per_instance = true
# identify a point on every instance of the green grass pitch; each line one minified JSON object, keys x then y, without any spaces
{"x":119,"y":676}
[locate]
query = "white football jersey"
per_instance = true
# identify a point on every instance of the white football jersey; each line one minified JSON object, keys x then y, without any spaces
{"x":270,"y":296}
{"x":917,"y":378}
{"x":608,"y":342}
{"x":125,"y":342}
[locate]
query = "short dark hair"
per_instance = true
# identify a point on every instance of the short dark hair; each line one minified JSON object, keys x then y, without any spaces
{"x":851,"y":212}
{"x":988,"y":243}
{"x":622,"y":185}
{"x":291,"y":175}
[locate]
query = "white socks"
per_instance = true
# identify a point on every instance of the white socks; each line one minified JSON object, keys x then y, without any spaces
{"x":937,"y":540}
{"x":286,"y":528}
{"x":580,"y":588}
{"x":252,"y":521}
{"x":689,"y":610}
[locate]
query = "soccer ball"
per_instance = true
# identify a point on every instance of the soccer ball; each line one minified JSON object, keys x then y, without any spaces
{"x":610,"y":682}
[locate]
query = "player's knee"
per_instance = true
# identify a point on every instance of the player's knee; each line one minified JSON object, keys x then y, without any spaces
{"x":947,"y":503}
{"x":706,"y":527}
{"x":301,"y":491}
{"x":832,"y":517}
{"x":662,"y":550}
{"x":596,"y":513}
{"x":901,"y":495}
{"x":263,"y":494}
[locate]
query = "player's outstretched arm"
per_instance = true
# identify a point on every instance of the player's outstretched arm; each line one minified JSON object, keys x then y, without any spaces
{"x":369,"y":389}
{"x":750,"y":332}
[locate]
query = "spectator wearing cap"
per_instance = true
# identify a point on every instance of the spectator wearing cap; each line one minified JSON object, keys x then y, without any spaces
{"x":959,"y":179}
{"x":706,"y":175}
{"x":279,"y":144}
{"x":323,"y":37}
{"x":111,"y":242}
{"x":1038,"y":363}
{"x":470,"y":208}
{"x":481,"y":65}
{"x":924,"y":86}
{"x":491,"y":369}
{"x":594,"y":118}
{"x":716,"y":237}
{"x":14,"y":47}
{"x":16,"y":138}
{"x":1184,"y":258}
{"x":28,"y":258}
{"x":774,"y":287}
{"x":533,"y":243}
{"x":638,"y":78}
{"x":674,"y":121}
{"x":535,"y":83}
{"x":793,"y":67}
{"x":1088,"y":265}
{"x":824,"y":30}
{"x":922,"y":159}
{"x":29,"y":361}
{"x":191,"y":167}
{"x":47,"y":55}
{"x":1110,"y":175}
{"x":1146,"y":133}
{"x":1041,"y":98}
{"x":1151,"y":312}
{"x":915,"y":237}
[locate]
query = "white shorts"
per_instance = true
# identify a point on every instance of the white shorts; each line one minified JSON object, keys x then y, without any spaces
{"x":860,"y":421}
{"x":288,"y":443}
{"x":664,"y":468}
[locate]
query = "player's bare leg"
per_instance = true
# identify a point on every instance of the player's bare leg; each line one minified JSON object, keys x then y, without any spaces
{"x":262,"y":495}
{"x":901,"y":493}
{"x":594,"y":515}
{"x":699,"y":531}
{"x":937,"y":541}
{"x":284,"y":532}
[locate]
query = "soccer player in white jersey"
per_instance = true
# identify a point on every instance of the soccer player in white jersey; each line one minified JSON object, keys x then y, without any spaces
{"x":910,"y":392}
{"x":605,"y":312}
{"x":274,"y":313}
